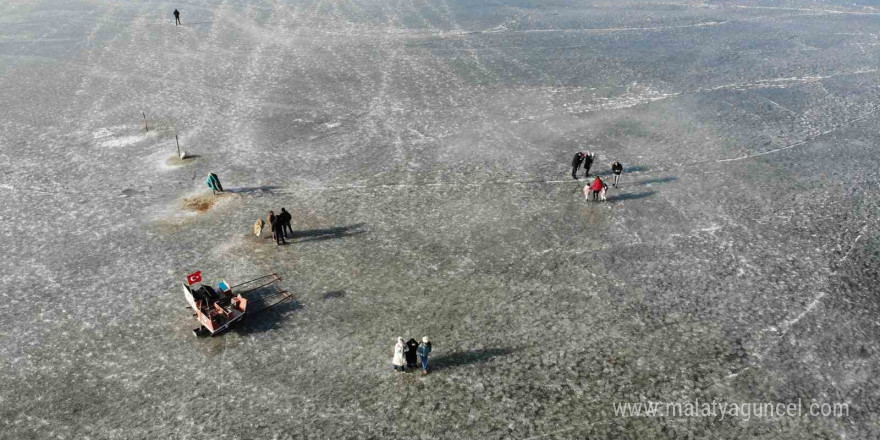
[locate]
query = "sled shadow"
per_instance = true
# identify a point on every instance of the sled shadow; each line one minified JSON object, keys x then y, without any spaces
{"x":630,"y":196}
{"x":468,"y":357}
{"x":268,"y":189}
{"x":328,"y":234}
{"x":267,"y":319}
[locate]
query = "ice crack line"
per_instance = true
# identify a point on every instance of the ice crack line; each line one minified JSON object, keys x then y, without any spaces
{"x":803,"y":141}
{"x":789,"y":324}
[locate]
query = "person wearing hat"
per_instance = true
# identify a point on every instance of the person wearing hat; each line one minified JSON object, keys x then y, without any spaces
{"x":424,"y":351}
{"x":398,"y":362}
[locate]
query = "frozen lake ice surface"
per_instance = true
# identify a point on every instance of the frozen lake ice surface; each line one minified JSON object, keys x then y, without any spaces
{"x":423,"y":150}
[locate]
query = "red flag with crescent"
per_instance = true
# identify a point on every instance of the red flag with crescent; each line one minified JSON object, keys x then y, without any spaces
{"x":193,"y":278}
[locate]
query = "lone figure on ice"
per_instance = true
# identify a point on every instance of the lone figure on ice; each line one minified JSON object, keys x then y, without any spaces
{"x":576,"y":163}
{"x":176,"y":17}
{"x":213,"y":182}
{"x":616,"y":168}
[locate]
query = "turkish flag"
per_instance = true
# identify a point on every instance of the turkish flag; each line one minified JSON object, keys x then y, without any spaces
{"x":194,"y":278}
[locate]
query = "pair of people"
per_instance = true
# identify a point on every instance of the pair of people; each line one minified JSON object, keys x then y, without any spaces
{"x":405,"y":354}
{"x":582,"y":158}
{"x":280,"y":225}
{"x":596,"y":190}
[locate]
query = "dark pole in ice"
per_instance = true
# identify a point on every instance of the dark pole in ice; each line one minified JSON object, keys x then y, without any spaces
{"x":146,"y":127}
{"x":178,"y":146}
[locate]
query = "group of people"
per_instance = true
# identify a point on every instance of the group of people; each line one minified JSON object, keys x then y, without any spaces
{"x":280,"y":226}
{"x":407,"y":354}
{"x":596,"y":189}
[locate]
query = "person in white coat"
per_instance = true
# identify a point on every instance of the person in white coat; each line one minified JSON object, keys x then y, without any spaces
{"x":399,"y":361}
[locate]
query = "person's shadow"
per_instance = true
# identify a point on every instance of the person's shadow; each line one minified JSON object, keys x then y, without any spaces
{"x":467,"y":357}
{"x":327,"y":234}
{"x":629,"y":196}
{"x":266,"y":189}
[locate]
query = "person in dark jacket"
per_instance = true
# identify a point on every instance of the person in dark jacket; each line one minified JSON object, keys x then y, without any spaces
{"x":411,"y":353}
{"x":616,"y":168}
{"x":424,"y":351}
{"x":279,"y":231}
{"x":275,"y":225}
{"x":285,"y":223}
{"x":588,"y":162}
{"x":176,"y":17}
{"x":576,"y":163}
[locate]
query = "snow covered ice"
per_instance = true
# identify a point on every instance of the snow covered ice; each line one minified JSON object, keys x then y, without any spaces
{"x":422,"y":148}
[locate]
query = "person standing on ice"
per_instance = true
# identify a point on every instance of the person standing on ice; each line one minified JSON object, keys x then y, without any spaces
{"x":285,"y":223}
{"x":278,"y":228}
{"x":271,"y":222}
{"x":398,"y":362}
{"x":176,"y":17}
{"x":576,"y":163}
{"x":616,"y":168}
{"x":596,"y":187}
{"x":424,"y":351}
{"x":588,"y":162}
{"x":412,"y":355}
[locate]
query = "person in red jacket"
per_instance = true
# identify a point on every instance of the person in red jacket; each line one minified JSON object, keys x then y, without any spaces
{"x":597,"y":186}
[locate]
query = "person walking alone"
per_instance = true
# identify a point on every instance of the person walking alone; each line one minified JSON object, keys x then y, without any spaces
{"x":176,"y":17}
{"x":424,"y":351}
{"x":576,"y":163}
{"x":616,"y":168}
{"x":398,"y":362}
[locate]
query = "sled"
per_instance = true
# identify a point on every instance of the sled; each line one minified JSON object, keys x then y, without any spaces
{"x":218,"y":309}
